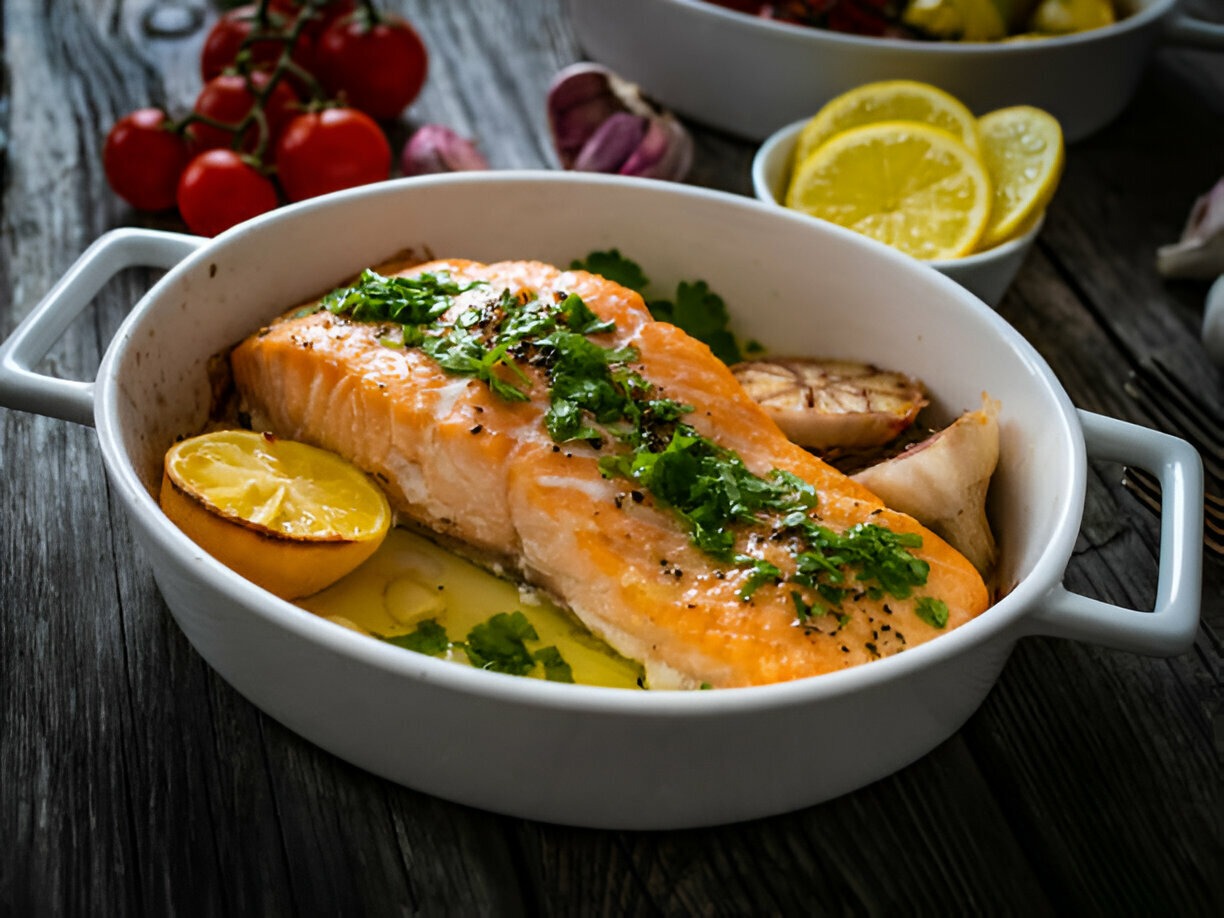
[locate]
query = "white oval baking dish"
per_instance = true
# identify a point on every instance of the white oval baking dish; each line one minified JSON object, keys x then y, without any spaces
{"x":576,"y":754}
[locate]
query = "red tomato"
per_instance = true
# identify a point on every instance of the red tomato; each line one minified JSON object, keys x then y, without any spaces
{"x":379,"y":69}
{"x":143,"y":160}
{"x":226,"y":98}
{"x":225,"y":40}
{"x":218,"y":189}
{"x":329,"y":150}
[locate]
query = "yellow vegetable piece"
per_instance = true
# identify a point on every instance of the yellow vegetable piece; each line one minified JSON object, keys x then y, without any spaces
{"x":891,"y":100}
{"x":290,"y":517}
{"x":1065,"y":16}
{"x":1022,"y":148}
{"x":909,"y":185}
{"x":966,"y":20}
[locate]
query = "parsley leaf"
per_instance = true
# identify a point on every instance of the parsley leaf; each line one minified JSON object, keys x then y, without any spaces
{"x":932,"y":611}
{"x":555,"y":667}
{"x":405,"y":300}
{"x":461,"y":351}
{"x":428,"y":638}
{"x":581,"y":380}
{"x":803,"y":610}
{"x":762,"y":573}
{"x":696,"y":309}
{"x":703,"y":314}
{"x":497,"y":644}
{"x":613,"y":266}
{"x":578,"y":317}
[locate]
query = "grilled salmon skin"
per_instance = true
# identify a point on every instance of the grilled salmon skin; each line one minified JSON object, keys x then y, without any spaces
{"x":481,"y":471}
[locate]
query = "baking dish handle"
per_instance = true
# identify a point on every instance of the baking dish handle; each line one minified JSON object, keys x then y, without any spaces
{"x":72,"y":400}
{"x":1170,"y":628}
{"x":1182,"y":29}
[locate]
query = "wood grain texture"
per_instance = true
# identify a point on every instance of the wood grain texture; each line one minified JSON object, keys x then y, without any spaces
{"x":134,"y":781}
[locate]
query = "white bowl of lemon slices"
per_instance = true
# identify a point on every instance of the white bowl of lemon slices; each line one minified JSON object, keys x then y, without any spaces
{"x":908,"y":165}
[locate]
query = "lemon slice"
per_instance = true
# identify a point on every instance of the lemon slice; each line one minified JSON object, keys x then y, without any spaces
{"x":293,"y":518}
{"x":914,"y":187}
{"x":1022,"y":148}
{"x":891,"y":100}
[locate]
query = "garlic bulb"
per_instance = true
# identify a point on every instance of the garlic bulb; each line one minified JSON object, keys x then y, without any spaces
{"x":1200,"y":251}
{"x":436,"y":148}
{"x":601,"y":123}
{"x":831,"y":404}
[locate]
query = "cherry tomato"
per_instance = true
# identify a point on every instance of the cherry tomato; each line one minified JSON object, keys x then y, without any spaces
{"x":218,"y":189}
{"x":379,"y":68}
{"x":225,"y":40}
{"x":329,"y":150}
{"x":226,"y":98}
{"x":143,"y":160}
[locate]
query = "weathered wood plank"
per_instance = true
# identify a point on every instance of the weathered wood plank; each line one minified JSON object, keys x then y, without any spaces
{"x":907,"y":844}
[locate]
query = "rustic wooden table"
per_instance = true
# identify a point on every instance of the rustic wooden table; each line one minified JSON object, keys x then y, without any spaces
{"x":134,"y":781}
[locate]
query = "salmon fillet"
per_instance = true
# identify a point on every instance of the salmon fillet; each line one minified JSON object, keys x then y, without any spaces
{"x":482,"y":472}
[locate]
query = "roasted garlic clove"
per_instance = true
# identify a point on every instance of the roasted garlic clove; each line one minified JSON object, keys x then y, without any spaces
{"x":602,"y":123}
{"x":942,"y":482}
{"x":436,"y":148}
{"x":826,"y":404}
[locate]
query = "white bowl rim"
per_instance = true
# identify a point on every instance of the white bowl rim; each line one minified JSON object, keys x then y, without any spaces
{"x":791,"y":32}
{"x":996,"y":622}
{"x":773,"y":146}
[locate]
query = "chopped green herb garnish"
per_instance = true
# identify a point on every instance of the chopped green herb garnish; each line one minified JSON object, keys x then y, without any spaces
{"x":762,"y":572}
{"x":696,"y":309}
{"x":578,"y":317}
{"x":555,"y":667}
{"x":463,"y":352}
{"x":832,"y":595}
{"x":708,"y":487}
{"x":582,"y":383}
{"x":403,"y":300}
{"x":803,"y":610}
{"x":497,"y":644}
{"x":429,"y":638}
{"x":932,"y":611}
{"x":705,"y":687}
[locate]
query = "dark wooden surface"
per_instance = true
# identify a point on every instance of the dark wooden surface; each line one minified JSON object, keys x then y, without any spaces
{"x":133,"y":781}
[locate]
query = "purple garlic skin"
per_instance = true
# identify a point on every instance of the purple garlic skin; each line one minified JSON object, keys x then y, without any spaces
{"x":436,"y":148}
{"x":602,"y":123}
{"x":612,"y":145}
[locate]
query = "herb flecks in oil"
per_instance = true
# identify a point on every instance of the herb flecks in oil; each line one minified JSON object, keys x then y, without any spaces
{"x":497,"y":644}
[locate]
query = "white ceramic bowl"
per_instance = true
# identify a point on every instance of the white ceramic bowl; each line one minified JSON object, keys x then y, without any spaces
{"x":578,"y":754}
{"x":987,"y":274}
{"x":749,"y":75}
